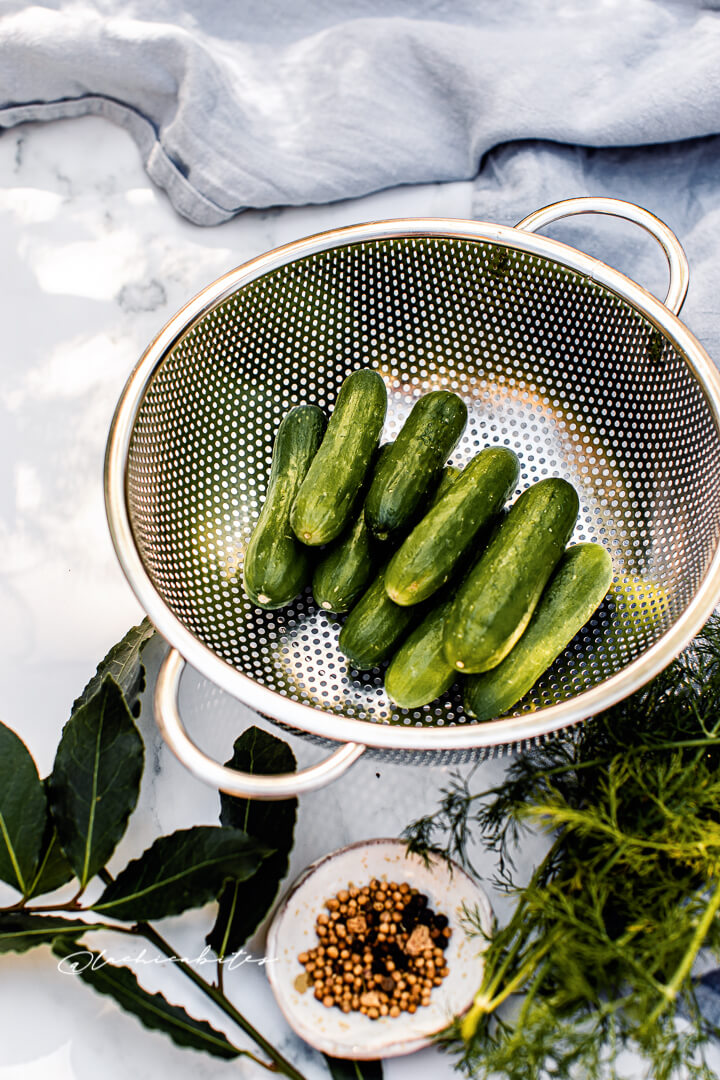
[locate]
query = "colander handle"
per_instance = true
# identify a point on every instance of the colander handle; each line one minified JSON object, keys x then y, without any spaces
{"x":231,"y":781}
{"x":676,"y":257}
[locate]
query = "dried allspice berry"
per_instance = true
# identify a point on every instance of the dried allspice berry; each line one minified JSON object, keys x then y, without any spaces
{"x":380,"y":950}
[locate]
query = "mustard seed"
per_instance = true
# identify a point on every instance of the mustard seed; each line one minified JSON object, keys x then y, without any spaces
{"x":379,"y":950}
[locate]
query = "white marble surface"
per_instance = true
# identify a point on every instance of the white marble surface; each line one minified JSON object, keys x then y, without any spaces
{"x":94,"y":262}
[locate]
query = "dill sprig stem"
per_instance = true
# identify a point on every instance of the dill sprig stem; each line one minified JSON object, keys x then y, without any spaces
{"x":493,"y":977}
{"x":531,"y":992}
{"x":555,"y":816}
{"x":671,"y":989}
{"x":493,"y":980}
{"x":487,"y":1000}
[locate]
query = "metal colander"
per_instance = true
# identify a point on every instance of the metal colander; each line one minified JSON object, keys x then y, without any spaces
{"x":559,"y":357}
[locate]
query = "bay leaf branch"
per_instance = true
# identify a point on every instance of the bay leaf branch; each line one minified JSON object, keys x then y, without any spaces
{"x":53,"y":868}
{"x":23,"y":813}
{"x":181,"y":871}
{"x":95,"y":780}
{"x":244,"y":904}
{"x":342,"y":1069}
{"x":124,"y":663}
{"x":21,"y":930}
{"x":154,"y":1011}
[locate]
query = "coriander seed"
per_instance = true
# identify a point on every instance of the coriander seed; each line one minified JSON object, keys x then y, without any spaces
{"x":380,"y":950}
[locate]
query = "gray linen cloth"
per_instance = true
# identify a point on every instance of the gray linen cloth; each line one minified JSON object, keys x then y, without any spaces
{"x":261,"y":103}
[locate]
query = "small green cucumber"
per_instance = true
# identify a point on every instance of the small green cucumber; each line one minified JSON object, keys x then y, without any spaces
{"x":375,"y":627}
{"x":427,"y":438}
{"x":497,"y":598}
{"x":419,"y":671}
{"x":328,"y":495}
{"x":427,"y":557}
{"x":447,"y":478}
{"x":276,"y":566}
{"x":347,"y":567}
{"x":580,"y":582}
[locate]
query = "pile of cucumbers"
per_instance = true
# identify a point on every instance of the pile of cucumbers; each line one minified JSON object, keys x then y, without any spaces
{"x":437,"y":575}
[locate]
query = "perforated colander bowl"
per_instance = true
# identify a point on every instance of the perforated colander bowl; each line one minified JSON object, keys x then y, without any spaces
{"x":577,"y":368}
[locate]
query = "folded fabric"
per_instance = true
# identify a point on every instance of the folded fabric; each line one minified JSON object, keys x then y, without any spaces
{"x":679,"y":182}
{"x":258,"y":104}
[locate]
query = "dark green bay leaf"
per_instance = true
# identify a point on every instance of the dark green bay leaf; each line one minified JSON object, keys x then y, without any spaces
{"x":53,"y":868}
{"x":244,"y":904}
{"x":153,"y":1010}
{"x":181,"y":871}
{"x":124,"y":664}
{"x":95,"y":780}
{"x":23,"y":812}
{"x":340,"y":1069}
{"x":20,"y":931}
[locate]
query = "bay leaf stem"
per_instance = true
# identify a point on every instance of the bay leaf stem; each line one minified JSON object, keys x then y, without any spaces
{"x":281,"y":1063}
{"x":143,"y":929}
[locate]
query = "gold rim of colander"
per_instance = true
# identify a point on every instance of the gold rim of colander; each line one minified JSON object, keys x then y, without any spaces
{"x":336,"y":727}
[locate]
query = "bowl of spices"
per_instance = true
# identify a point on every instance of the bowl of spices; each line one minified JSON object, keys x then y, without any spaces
{"x":369,"y":954}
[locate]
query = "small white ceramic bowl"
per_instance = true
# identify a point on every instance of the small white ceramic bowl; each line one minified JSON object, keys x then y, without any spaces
{"x":292,"y":931}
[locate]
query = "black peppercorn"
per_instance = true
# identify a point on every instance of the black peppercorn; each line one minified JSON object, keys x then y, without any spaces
{"x":394,"y":937}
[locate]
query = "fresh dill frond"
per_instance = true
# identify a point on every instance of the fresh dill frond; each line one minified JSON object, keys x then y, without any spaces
{"x":598,"y":953}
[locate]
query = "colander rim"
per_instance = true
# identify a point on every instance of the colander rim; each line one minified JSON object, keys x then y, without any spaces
{"x":520,"y":729}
